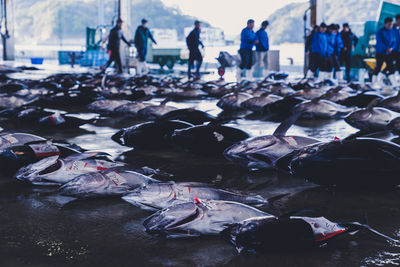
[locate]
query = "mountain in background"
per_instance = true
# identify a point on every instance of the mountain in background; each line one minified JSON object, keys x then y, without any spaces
{"x":55,"y":22}
{"x":286,"y":24}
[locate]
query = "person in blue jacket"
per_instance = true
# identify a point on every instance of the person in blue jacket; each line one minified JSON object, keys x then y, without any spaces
{"x":385,"y":44}
{"x":262,"y":48}
{"x":396,"y":52}
{"x":319,"y":47}
{"x":248,"y":39}
{"x":335,"y":45}
{"x":193,"y":41}
{"x":142,"y":36}
{"x":312,"y":64}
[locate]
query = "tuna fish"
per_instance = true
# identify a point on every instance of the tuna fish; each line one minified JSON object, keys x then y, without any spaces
{"x":163,"y":195}
{"x":270,"y":233}
{"x":372,"y":118}
{"x":208,"y":139}
{"x":191,"y":219}
{"x":111,"y":182}
{"x":262,"y":152}
{"x":149,"y":134}
{"x":56,"y":171}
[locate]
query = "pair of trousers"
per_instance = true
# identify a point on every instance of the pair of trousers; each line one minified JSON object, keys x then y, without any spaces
{"x":114,"y":56}
{"x":388,"y":59}
{"x":194,"y":55}
{"x":261,"y":59}
{"x":246,"y":59}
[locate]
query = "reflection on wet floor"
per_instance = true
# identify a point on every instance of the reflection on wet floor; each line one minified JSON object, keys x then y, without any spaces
{"x":41,"y":228}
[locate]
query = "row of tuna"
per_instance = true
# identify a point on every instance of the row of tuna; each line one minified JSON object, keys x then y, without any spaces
{"x":185,"y":209}
{"x":189,"y":209}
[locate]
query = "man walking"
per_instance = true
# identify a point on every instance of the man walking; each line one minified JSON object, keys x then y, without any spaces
{"x":142,"y":36}
{"x":193,"y":41}
{"x":113,"y":46}
{"x":262,"y":48}
{"x":385,"y":44}
{"x":248,"y":39}
{"x":349,"y":42}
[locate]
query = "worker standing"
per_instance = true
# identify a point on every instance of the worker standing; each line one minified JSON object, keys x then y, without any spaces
{"x":319,"y":47}
{"x":385,"y":43}
{"x":262,"y":48}
{"x":396,"y":52}
{"x":248,"y":39}
{"x":113,"y":46}
{"x":338,"y":74}
{"x":349,"y":42}
{"x":193,"y":41}
{"x":312,"y":60}
{"x":142,"y":36}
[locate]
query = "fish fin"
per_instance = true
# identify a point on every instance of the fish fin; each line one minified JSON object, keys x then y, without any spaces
{"x":165,"y":101}
{"x":286,"y":124}
{"x":117,"y":137}
{"x":373,"y":103}
{"x":103,"y":81}
{"x":317,"y":99}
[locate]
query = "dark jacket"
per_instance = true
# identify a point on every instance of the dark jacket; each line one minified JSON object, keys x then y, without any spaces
{"x":262,"y":37}
{"x":308,"y":41}
{"x":114,"y":38}
{"x":385,"y":39}
{"x":193,"y":40}
{"x":141,"y":37}
{"x":349,"y":39}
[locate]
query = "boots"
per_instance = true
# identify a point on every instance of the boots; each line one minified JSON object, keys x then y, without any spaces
{"x":322,"y":75}
{"x":393,"y":80}
{"x":375,"y":82}
{"x":249,"y":75}
{"x":264,"y":73}
{"x":310,"y":74}
{"x":339,"y":76}
{"x":238,"y":75}
{"x":145,"y":70}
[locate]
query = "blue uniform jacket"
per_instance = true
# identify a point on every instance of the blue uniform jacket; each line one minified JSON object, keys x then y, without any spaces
{"x":397,"y":36}
{"x":331,"y":38}
{"x":247,"y":38}
{"x":338,"y":44}
{"x":385,"y":39}
{"x":262,"y":37}
{"x":319,"y":43}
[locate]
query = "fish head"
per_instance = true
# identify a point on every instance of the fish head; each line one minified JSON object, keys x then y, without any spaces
{"x":153,"y":196}
{"x":93,"y":184}
{"x":35,"y":173}
{"x":252,"y":151}
{"x":357,"y":118}
{"x":171,"y":221}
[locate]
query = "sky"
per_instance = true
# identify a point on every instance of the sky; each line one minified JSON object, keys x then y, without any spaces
{"x":230,"y":15}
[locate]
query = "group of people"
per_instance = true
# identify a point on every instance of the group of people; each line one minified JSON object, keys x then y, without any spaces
{"x":142,"y":35}
{"x":249,"y":39}
{"x":328,"y":50}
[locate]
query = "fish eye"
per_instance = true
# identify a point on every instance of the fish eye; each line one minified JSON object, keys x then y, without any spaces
{"x":251,"y":227}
